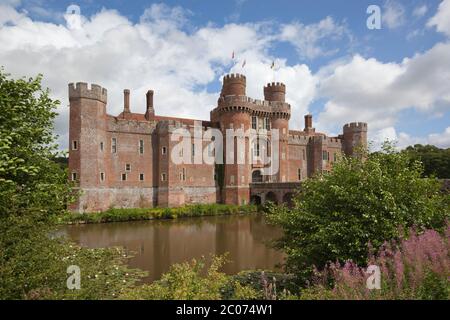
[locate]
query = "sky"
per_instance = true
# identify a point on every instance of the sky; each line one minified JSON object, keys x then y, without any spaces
{"x":395,"y":78}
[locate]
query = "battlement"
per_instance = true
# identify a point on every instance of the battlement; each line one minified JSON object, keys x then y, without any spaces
{"x":81,"y":90}
{"x":275,"y":86}
{"x":355,"y":126}
{"x":234,"y":77}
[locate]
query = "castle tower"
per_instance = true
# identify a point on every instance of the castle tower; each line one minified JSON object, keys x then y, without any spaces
{"x":233,"y":85}
{"x":355,"y":136}
{"x":235,"y":115}
{"x":275,"y":92}
{"x":86,"y":135}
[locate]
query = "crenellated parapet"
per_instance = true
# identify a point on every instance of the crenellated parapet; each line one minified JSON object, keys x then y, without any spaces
{"x":254,"y":107}
{"x":355,"y":127}
{"x":81,"y":90}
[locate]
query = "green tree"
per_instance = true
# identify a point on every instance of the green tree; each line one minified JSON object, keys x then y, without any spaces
{"x":337,"y":215}
{"x":436,"y":161}
{"x":33,"y":192}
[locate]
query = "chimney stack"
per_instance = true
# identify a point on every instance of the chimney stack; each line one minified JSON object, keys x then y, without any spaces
{"x":126,"y":100}
{"x":308,"y":123}
{"x":150,"y":111}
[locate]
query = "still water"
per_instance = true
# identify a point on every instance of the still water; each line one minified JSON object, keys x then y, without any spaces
{"x":158,"y":244}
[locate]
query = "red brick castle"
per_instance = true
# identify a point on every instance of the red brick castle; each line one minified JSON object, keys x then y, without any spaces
{"x":125,"y":160}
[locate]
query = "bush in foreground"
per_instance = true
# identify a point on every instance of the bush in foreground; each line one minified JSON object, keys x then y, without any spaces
{"x":336,"y":215}
{"x":415,"y":268}
{"x":193,"y":281}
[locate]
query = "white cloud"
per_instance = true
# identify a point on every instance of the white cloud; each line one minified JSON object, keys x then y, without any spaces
{"x":307,"y":39}
{"x":163,"y":52}
{"x":393,"y":14}
{"x":442,"y":18}
{"x":404,"y":140}
{"x":155,"y":53}
{"x":420,"y":11}
{"x":375,"y":92}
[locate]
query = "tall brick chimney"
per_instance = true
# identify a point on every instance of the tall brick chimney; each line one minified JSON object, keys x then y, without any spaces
{"x":308,"y":123}
{"x":150,"y":111}
{"x":126,"y":100}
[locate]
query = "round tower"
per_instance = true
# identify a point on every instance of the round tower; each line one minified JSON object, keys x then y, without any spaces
{"x":355,"y":136}
{"x":275,"y":91}
{"x":233,"y":85}
{"x":87,"y":130}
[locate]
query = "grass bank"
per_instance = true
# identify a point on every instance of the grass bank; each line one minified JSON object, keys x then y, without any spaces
{"x":120,"y":215}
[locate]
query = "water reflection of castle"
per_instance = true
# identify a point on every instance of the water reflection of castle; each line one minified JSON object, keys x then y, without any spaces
{"x":161,"y":244}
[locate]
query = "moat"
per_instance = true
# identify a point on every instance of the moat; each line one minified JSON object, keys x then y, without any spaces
{"x":156,"y":245}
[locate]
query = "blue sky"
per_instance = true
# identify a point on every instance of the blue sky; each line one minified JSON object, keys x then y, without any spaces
{"x":333,"y":65}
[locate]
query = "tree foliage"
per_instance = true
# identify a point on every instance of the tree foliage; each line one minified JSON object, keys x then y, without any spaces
{"x":337,"y":215}
{"x":435,"y":161}
{"x":33,"y":192}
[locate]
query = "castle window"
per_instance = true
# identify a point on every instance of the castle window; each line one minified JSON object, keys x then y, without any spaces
{"x":335,"y":157}
{"x":114,"y":145}
{"x":256,"y":149}
{"x":74,"y":145}
{"x":163,"y":177}
{"x":267,"y":123}
{"x":128,"y":167}
{"x":324,"y":155}
{"x":101,"y":146}
{"x":183,"y":174}
{"x":141,"y":177}
{"x":124,"y":177}
{"x":74,"y":176}
{"x":164,"y":150}
{"x":254,"y":123}
{"x":231,"y":179}
{"x":102,"y":176}
{"x":141,"y":146}
{"x":304,"y":154}
{"x":193,"y":149}
{"x":299,"y":173}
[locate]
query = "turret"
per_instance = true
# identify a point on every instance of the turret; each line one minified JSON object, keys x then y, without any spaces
{"x":275,"y":91}
{"x":355,"y":136}
{"x":87,"y":130}
{"x":233,"y":85}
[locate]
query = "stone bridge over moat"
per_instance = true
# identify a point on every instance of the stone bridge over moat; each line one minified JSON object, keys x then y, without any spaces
{"x":277,"y":192}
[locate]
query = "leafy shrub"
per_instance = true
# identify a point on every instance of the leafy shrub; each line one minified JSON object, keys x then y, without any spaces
{"x":192,"y":281}
{"x":415,"y":268}
{"x":335,"y":215}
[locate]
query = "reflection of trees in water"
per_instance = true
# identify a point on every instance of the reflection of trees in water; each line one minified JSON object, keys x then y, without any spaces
{"x":159,"y":244}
